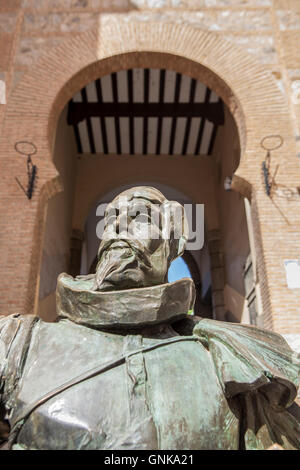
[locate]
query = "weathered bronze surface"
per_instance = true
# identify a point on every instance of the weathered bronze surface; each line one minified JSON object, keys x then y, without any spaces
{"x":126,"y":367}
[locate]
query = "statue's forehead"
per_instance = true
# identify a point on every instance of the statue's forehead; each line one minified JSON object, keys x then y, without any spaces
{"x":132,"y":199}
{"x":144,"y":192}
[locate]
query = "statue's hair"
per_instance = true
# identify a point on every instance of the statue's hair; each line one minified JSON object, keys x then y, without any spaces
{"x":172,"y":212}
{"x":144,"y":192}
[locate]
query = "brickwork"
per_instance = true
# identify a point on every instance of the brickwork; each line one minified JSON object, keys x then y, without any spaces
{"x":245,"y":50}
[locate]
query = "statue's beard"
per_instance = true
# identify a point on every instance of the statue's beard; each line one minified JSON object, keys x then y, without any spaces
{"x":123,"y":264}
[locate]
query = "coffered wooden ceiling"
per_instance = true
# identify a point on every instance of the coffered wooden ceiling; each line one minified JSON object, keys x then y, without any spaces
{"x":146,"y":111}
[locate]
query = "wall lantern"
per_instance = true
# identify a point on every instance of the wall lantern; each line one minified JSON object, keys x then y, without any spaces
{"x":270,"y":143}
{"x":28,"y":149}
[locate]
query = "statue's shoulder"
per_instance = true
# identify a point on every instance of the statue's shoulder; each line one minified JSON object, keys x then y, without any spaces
{"x":248,"y":358}
{"x":10,"y":325}
{"x":15,"y":332}
{"x":15,"y":318}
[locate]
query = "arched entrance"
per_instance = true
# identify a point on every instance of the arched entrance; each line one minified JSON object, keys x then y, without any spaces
{"x":149,"y":127}
{"x":37,"y":103}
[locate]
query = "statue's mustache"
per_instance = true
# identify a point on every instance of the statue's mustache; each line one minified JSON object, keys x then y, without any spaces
{"x":114,"y":259}
{"x":140,"y":250}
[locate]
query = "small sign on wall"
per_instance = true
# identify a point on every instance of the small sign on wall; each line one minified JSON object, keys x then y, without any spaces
{"x":2,"y":92}
{"x":292,"y":268}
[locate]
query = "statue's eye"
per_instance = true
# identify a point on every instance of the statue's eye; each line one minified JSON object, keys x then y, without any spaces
{"x":138,"y":212}
{"x":111,"y":216}
{"x":141,"y":214}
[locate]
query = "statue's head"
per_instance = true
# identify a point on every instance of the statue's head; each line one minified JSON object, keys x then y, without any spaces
{"x":143,"y":234}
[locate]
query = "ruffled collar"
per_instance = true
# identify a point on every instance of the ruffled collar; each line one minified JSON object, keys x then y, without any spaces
{"x":131,"y":308}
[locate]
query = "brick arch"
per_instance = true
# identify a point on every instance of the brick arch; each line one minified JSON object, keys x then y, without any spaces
{"x":61,"y":72}
{"x":36,"y":103}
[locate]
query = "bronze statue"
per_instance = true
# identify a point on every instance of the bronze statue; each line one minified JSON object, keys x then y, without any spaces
{"x":126,"y":367}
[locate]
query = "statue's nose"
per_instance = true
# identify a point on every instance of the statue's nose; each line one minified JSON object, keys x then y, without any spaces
{"x":121,"y":224}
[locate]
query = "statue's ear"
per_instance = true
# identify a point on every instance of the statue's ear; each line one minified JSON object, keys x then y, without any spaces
{"x":175,"y":227}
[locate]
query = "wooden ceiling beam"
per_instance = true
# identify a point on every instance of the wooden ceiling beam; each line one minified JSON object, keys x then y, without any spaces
{"x":77,"y":112}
